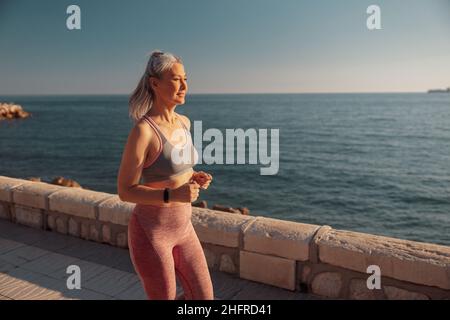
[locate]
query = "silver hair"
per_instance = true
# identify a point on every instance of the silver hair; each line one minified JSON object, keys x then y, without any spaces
{"x":141,"y":100}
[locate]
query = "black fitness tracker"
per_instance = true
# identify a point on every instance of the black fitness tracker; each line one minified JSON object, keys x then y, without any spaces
{"x":166,"y":195}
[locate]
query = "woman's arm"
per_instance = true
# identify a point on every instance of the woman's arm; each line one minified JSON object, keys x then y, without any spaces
{"x":133,"y":159}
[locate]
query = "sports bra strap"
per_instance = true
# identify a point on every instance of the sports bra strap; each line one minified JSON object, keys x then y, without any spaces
{"x":182,"y":123}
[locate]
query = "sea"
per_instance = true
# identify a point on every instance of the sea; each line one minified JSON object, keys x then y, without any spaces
{"x":373,"y":163}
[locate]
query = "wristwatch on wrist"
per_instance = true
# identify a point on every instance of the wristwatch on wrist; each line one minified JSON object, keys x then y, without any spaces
{"x":166,"y":195}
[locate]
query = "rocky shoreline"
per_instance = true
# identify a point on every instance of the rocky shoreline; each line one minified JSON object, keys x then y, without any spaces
{"x":12,"y":111}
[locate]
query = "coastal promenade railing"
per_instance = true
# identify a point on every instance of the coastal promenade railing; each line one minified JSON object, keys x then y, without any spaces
{"x":290,"y":255}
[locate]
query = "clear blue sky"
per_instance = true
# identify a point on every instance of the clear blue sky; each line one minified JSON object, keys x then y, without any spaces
{"x":228,"y":46}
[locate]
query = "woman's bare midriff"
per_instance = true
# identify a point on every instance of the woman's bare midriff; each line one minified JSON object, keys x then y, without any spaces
{"x":171,"y":183}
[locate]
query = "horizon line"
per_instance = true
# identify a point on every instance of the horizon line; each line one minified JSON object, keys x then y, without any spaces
{"x":212,"y":93}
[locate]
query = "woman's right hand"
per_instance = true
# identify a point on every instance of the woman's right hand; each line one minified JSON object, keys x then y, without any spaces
{"x":188,"y":192}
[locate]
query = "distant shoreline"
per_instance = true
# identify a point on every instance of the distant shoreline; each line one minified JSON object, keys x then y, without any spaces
{"x":439,"y":90}
{"x":227,"y":94}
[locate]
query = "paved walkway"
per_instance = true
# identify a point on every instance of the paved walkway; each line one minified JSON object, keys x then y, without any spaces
{"x":33,"y":265}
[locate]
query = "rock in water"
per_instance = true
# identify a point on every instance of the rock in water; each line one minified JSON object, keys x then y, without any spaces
{"x":200,"y":204}
{"x":12,"y":111}
{"x":61,"y":181}
{"x":244,"y":210}
{"x":226,"y":209}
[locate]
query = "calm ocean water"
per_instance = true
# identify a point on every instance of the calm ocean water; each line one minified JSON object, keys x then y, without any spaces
{"x":376,"y":163}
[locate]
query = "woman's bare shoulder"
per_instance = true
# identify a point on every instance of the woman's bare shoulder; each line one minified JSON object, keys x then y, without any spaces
{"x":143,"y":125}
{"x":143,"y":137}
{"x":143,"y":130}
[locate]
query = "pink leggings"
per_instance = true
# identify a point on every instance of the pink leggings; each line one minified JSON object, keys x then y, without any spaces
{"x":163,"y":244}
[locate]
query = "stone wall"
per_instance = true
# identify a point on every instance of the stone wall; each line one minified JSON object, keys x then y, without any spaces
{"x":290,"y":255}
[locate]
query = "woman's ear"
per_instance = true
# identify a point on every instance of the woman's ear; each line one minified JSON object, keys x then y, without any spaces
{"x":153,"y":82}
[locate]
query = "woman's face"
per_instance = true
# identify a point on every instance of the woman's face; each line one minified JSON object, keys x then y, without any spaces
{"x":171,"y":89}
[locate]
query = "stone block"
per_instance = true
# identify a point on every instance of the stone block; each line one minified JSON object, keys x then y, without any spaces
{"x":280,"y":238}
{"x":327,"y":284}
{"x":279,"y":272}
{"x":77,"y":202}
{"x":28,"y":216}
{"x":393,"y":293}
{"x":7,"y":184}
{"x":34,"y":194}
{"x":421,"y":263}
{"x":217,"y":227}
{"x":115,"y":211}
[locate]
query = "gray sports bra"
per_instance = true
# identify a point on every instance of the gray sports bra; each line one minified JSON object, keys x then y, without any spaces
{"x":170,"y":160}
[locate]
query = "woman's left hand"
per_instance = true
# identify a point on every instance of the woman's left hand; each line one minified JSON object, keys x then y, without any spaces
{"x":202,"y":178}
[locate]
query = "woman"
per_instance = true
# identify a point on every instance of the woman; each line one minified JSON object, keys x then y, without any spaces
{"x":161,"y":239}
